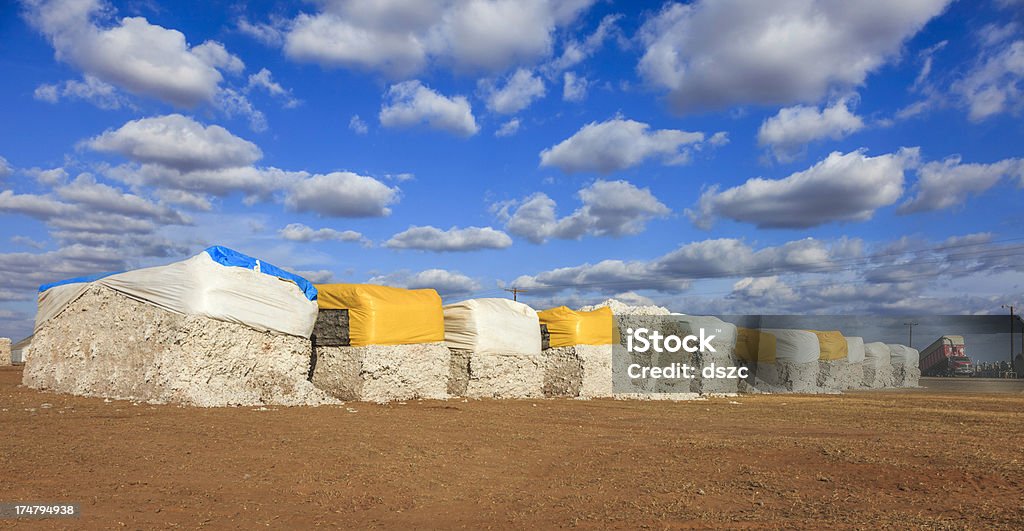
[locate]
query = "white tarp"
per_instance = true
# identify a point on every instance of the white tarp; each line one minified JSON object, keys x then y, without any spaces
{"x":201,"y":286}
{"x":855,"y":349}
{"x":795,"y":346}
{"x":492,"y":326}
{"x":725,"y":333}
{"x":902,"y":355}
{"x":877,"y":354}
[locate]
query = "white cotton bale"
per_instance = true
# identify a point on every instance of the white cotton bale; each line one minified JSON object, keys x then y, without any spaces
{"x":877,"y":366}
{"x":795,"y":346}
{"x":107,"y":344}
{"x":508,"y":375}
{"x":903,"y":355}
{"x":793,"y":366}
{"x":583,"y":371}
{"x":724,"y":355}
{"x":384,"y":373}
{"x":787,"y":377}
{"x":855,"y":349}
{"x":839,"y":375}
{"x":725,"y":333}
{"x":905,"y":376}
{"x":492,"y":326}
{"x":201,"y":286}
{"x":904,"y":360}
{"x":621,"y":308}
{"x":877,"y":355}
{"x":5,"y":352}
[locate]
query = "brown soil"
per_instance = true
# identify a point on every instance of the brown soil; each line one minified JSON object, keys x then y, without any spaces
{"x":864,"y":460}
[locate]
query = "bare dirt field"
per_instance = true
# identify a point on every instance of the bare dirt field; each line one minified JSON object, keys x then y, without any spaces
{"x":862,"y":460}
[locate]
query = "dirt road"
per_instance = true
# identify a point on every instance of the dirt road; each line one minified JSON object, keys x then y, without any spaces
{"x":861,"y":460}
{"x":973,"y":385}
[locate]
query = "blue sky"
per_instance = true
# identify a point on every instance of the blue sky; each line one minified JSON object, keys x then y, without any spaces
{"x":715,"y":157}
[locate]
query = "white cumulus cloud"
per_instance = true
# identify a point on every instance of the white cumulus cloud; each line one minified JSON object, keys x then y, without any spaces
{"x":610,"y":208}
{"x":792,"y":128}
{"x":90,"y":89}
{"x":947,"y":183}
{"x":617,"y":144}
{"x":996,"y":84}
{"x":411,"y":103}
{"x":842,"y":187}
{"x":714,"y":54}
{"x":297,"y":232}
{"x":264,"y":80}
{"x":400,"y":38}
{"x":454,"y":239}
{"x":139,"y":57}
{"x":447,"y":283}
{"x":508,"y":128}
{"x":520,"y":90}
{"x":342,"y":194}
{"x":357,"y":125}
{"x":177,"y":142}
{"x":5,"y":168}
{"x":574,"y":88}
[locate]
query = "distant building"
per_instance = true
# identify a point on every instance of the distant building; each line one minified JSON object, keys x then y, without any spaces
{"x":18,"y":350}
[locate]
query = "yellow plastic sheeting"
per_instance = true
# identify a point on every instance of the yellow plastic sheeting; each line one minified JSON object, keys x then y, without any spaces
{"x":767,"y":347}
{"x":381,"y":315}
{"x":747,"y":341}
{"x":568,"y":327}
{"x":833,"y":345}
{"x":754,"y":345}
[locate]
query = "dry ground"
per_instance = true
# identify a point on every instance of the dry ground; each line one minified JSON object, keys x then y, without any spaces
{"x":864,"y":460}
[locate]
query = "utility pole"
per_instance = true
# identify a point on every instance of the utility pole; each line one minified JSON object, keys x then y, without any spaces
{"x":1010,"y":306}
{"x":515,"y":293}
{"x":911,"y":324}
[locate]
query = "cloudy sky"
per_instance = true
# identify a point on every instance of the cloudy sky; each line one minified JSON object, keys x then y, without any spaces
{"x":796,"y":156}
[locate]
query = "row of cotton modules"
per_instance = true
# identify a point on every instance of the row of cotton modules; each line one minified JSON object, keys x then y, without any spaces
{"x":223,"y":328}
{"x":807,"y":361}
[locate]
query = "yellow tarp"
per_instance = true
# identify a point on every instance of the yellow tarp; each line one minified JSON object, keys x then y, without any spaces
{"x":381,"y":315}
{"x":766,"y":347}
{"x":833,"y":345}
{"x":568,"y":327}
{"x":754,"y":345}
{"x":746,"y":344}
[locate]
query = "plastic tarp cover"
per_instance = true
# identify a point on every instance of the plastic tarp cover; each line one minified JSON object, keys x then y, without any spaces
{"x":204,"y":287}
{"x":904,"y":355}
{"x":747,"y":341}
{"x":492,"y":326}
{"x":832,"y":344}
{"x":877,"y":354}
{"x":754,"y":345}
{"x":794,"y":346}
{"x":568,"y":327}
{"x":725,"y":333}
{"x":382,"y":315}
{"x":855,"y":349}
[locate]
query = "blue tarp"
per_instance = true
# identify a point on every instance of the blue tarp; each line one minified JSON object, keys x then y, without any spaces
{"x":77,"y":280}
{"x":221,"y":255}
{"x":230,"y":257}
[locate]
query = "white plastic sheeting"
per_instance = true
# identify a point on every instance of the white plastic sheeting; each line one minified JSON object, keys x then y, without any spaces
{"x":796,"y":346}
{"x":725,"y":333}
{"x":200,"y":286}
{"x":492,"y":326}
{"x":855,"y":349}
{"x":877,"y":354}
{"x":902,"y":355}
